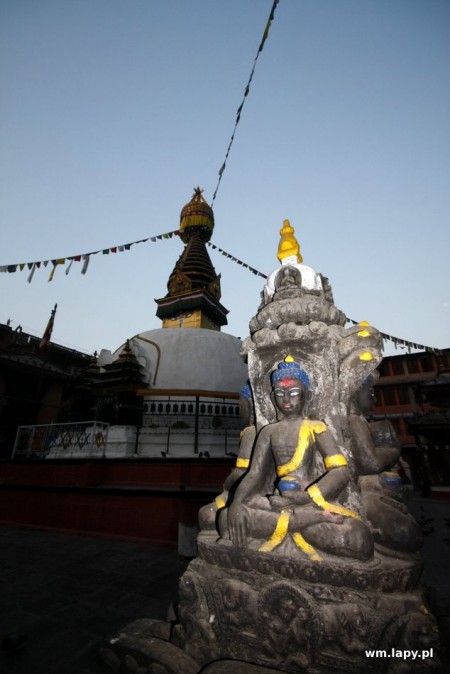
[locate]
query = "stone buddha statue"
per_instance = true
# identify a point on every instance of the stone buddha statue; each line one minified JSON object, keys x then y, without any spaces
{"x":211,"y":515}
{"x":296,"y":482}
{"x":376,"y":451}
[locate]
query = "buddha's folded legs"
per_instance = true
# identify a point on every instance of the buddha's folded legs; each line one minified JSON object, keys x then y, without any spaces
{"x":351,"y":538}
{"x":391,"y":527}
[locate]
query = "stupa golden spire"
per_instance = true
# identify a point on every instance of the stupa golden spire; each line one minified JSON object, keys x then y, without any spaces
{"x":196,"y":218}
{"x":193,"y":298}
{"x":288,"y":247}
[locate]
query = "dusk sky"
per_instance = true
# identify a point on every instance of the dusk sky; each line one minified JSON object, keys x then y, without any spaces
{"x":111,"y":112}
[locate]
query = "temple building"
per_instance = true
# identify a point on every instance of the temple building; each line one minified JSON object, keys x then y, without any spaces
{"x":36,"y":382}
{"x":172,"y":391}
{"x":191,"y":371}
{"x":413,"y":392}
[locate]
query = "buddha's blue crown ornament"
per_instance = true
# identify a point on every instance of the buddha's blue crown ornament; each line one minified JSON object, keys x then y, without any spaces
{"x":290,"y":369}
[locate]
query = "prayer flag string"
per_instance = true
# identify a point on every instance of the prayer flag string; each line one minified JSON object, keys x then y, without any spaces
{"x":85,"y":259}
{"x":246,"y":92}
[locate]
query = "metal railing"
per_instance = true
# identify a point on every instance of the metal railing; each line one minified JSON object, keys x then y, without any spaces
{"x":215,"y":442}
{"x":174,"y":406}
{"x":87,"y":438}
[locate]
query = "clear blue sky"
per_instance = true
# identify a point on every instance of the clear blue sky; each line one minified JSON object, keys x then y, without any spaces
{"x":111,"y":112}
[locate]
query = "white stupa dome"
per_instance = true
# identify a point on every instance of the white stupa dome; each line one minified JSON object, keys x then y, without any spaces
{"x":189,"y":359}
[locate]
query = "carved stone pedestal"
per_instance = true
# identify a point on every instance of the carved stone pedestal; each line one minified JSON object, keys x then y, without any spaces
{"x":296,"y":615}
{"x":247,"y":611}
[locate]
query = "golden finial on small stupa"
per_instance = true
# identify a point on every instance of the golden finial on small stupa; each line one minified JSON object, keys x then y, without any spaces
{"x":288,"y":247}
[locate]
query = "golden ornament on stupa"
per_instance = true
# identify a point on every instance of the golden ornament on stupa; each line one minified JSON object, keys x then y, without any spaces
{"x":196,"y":218}
{"x":288,"y":247}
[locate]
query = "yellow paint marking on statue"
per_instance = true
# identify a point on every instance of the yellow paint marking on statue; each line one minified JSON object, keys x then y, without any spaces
{"x":364,"y":333}
{"x":306,"y":547}
{"x":306,"y":433}
{"x":220,"y":502}
{"x":279,"y":534}
{"x":366,"y":356}
{"x":242,"y":463}
{"x":316,"y":496}
{"x":335,"y":461}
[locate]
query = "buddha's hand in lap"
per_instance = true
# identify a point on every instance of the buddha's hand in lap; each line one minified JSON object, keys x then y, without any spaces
{"x":289,"y":499}
{"x":237,"y":524}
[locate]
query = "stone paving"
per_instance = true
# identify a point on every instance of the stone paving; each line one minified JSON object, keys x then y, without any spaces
{"x":69,"y":593}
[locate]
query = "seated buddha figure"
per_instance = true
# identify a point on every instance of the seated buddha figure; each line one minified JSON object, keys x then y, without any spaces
{"x":376,"y":452}
{"x":210,"y":515}
{"x":296,"y":478}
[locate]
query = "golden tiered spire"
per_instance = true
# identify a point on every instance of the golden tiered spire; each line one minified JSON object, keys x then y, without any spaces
{"x":193,"y":300}
{"x":289,"y":246}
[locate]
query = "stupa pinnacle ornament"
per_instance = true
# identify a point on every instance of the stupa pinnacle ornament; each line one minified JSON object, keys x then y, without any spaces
{"x":194,"y":291}
{"x":196,"y":218}
{"x":293,"y":280}
{"x":288,"y":248}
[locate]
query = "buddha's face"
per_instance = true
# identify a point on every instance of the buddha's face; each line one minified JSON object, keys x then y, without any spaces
{"x":290,"y":396}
